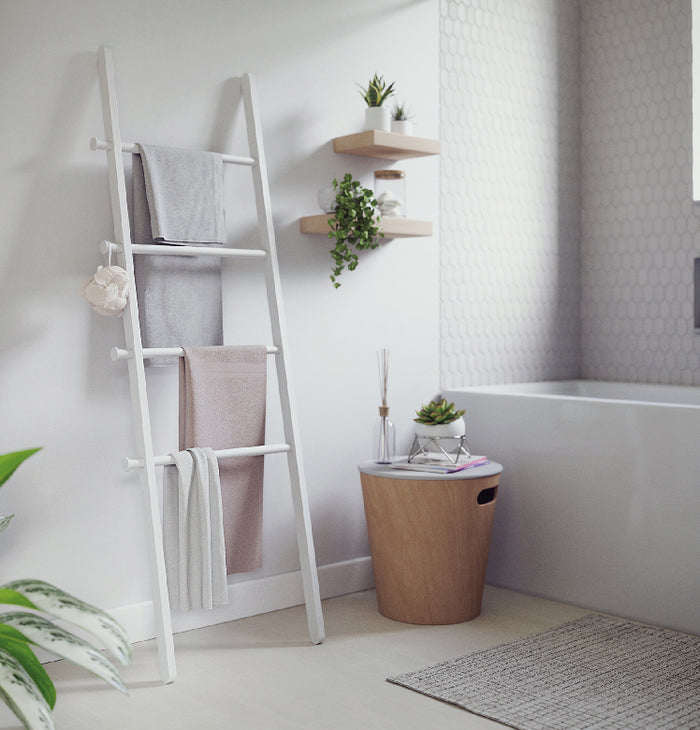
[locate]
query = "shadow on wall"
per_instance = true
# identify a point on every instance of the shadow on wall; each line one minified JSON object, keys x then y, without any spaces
{"x":298,"y":254}
{"x":229,"y":120}
{"x":58,"y":232}
{"x":566,"y":363}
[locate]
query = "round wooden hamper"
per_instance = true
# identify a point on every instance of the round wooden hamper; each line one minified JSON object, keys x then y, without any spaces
{"x":429,"y":538}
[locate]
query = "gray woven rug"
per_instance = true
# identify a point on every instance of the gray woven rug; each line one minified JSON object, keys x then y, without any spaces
{"x":595,"y":672}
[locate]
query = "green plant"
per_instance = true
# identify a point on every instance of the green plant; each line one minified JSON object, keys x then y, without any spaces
{"x":400,"y":113}
{"x":376,"y":92}
{"x":25,"y":686}
{"x":437,"y":412}
{"x":355,"y":225}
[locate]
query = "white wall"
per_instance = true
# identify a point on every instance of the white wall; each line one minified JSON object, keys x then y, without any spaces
{"x":78,"y":516}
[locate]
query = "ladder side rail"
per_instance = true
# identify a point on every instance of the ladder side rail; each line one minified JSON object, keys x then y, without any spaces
{"x":307,"y":555}
{"x":137,"y":376}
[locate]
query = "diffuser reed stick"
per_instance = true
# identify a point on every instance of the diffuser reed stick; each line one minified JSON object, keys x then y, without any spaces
{"x":383,"y":362}
{"x":385,"y":436}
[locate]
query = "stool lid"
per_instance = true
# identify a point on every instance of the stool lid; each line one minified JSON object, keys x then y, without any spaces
{"x":386,"y":471}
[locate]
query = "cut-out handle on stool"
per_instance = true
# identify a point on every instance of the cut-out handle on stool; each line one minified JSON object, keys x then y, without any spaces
{"x":486,"y":495}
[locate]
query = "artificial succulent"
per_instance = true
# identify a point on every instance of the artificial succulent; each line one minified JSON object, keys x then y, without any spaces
{"x":438,"y":412}
{"x":377,"y":91}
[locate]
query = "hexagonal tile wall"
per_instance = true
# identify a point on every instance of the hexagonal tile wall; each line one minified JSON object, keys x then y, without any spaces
{"x":510,"y":191}
{"x":639,"y":223}
{"x":567,"y":226}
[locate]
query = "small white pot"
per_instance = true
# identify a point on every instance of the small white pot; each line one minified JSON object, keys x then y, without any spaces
{"x":378,"y":117}
{"x":442,"y":430}
{"x":402,"y":126}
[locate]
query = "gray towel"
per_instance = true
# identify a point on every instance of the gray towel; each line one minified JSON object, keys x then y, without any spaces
{"x":222,"y":405}
{"x":178,"y":200}
{"x":193,"y":531}
{"x":185,"y":195}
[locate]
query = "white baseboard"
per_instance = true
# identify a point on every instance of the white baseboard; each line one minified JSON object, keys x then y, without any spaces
{"x":250,"y":598}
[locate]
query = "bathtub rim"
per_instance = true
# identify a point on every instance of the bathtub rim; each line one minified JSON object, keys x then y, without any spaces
{"x":675,"y":396}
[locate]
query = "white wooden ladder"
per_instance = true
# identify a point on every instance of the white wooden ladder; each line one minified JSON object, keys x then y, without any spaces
{"x":135,"y":353}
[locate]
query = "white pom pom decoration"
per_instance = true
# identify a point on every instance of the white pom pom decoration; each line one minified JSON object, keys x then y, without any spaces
{"x":106,"y":291}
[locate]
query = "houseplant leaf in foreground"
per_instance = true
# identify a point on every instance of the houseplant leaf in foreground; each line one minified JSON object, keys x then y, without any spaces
{"x":21,"y":695}
{"x":25,"y":687}
{"x":58,"y":641}
{"x":16,"y":643}
{"x":10,"y":462}
{"x":58,"y":603}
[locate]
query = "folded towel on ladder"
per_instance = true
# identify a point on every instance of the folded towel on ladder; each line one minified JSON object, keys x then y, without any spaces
{"x":222,"y":405}
{"x":178,"y":200}
{"x":193,"y":531}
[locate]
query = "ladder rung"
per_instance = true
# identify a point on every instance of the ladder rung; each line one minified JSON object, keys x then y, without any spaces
{"x":164,"y":249}
{"x":119,"y":353}
{"x":103,"y":144}
{"x":129,"y":463}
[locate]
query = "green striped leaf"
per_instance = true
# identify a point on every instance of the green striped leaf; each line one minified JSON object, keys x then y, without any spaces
{"x":57,"y":640}
{"x":22,"y":696}
{"x":16,"y":643}
{"x":5,"y":521}
{"x":55,"y":602}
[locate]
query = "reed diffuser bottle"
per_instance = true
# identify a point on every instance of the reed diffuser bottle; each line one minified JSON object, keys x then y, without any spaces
{"x":384,"y":432}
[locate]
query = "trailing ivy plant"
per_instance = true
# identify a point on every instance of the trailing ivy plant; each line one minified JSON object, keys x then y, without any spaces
{"x":25,"y":686}
{"x":355,"y":225}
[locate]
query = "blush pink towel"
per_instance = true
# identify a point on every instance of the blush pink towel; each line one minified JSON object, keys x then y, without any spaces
{"x":222,"y":405}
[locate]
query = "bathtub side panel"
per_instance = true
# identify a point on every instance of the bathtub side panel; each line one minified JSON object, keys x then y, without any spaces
{"x":598,"y":502}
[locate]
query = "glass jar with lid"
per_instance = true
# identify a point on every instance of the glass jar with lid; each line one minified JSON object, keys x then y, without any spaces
{"x":390,"y":191}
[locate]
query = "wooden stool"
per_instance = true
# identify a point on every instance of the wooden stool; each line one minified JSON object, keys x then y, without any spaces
{"x":429,"y":536}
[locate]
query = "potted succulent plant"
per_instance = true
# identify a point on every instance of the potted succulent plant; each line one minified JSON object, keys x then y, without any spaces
{"x":400,"y":120}
{"x":439,"y":419}
{"x":375,"y":94}
{"x":354,"y":225}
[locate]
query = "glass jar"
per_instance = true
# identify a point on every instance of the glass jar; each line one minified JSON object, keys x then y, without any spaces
{"x":384,"y":437}
{"x":390,"y":192}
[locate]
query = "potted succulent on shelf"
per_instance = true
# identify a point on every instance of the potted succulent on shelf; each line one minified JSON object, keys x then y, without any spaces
{"x":400,"y":120}
{"x":354,"y":226}
{"x":439,"y":419}
{"x":375,"y":94}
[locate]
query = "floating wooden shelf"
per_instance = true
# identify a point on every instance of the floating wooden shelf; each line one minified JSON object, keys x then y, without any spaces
{"x":391,"y":227}
{"x":386,"y":145}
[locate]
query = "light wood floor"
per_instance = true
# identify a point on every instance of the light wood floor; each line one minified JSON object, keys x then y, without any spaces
{"x":262,"y":673}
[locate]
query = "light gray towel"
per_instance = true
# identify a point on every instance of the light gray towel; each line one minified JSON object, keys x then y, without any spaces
{"x":193,"y":531}
{"x":184,"y":190}
{"x":222,"y":404}
{"x":178,"y":200}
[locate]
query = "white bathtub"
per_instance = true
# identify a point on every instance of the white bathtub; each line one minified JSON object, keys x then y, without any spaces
{"x":599,"y":503}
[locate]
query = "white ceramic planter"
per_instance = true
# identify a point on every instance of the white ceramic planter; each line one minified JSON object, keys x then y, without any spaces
{"x":442,"y":430}
{"x":378,"y":117}
{"x":402,"y":126}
